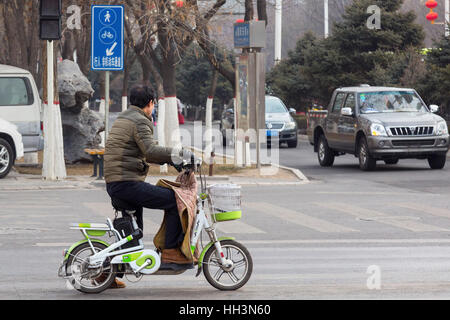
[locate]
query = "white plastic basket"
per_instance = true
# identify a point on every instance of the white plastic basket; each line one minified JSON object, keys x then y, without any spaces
{"x":225,"y":202}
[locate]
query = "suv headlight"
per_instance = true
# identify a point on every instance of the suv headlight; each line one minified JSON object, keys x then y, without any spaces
{"x":442,"y":128}
{"x":378,"y":130}
{"x":290,"y":125}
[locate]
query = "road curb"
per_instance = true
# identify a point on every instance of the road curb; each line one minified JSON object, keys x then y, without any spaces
{"x":300,"y":176}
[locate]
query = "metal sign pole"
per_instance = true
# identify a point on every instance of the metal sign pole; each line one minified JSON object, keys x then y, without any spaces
{"x":106,"y":105}
{"x":257,"y":108}
{"x":278,"y":28}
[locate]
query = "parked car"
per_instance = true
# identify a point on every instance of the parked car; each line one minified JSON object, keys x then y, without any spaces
{"x":279,"y":122}
{"x":11,"y":147}
{"x":378,"y":123}
{"x":20,"y":104}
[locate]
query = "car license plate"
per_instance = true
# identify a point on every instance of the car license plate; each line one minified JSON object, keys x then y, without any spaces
{"x":272,"y":133}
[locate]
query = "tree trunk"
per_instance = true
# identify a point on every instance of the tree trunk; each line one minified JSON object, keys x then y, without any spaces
{"x":171,"y":125}
{"x":262,"y":10}
{"x":249,"y":10}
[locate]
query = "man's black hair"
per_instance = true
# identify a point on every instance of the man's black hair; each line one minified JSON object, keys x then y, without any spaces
{"x":141,"y":96}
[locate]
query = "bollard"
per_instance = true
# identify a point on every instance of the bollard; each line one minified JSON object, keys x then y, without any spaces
{"x":211,"y":164}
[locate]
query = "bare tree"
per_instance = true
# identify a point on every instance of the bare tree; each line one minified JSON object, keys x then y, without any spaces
{"x":160,"y":32}
{"x":78,"y":41}
{"x":225,"y":68}
{"x":20,"y":45}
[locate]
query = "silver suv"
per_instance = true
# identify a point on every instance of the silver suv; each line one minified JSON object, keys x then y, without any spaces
{"x":378,"y":123}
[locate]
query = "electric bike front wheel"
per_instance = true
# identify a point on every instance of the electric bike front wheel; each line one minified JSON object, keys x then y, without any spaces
{"x":228,"y":278}
{"x":87,"y":279}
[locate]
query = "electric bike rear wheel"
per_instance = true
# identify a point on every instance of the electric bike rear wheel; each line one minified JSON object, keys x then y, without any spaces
{"x":228,"y":278}
{"x":86,"y":279}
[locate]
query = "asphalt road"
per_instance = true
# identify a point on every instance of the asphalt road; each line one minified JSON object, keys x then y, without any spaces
{"x":409,"y":173}
{"x":347,"y":234}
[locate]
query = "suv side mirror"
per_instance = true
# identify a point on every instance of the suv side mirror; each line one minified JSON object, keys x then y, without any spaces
{"x":292,"y":111}
{"x":347,"y":112}
{"x":434,"y":108}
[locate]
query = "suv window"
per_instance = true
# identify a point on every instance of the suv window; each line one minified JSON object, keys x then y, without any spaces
{"x":15,"y":92}
{"x":338,"y":102}
{"x":350,"y":102}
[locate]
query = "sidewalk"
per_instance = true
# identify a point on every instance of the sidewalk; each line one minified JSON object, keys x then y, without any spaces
{"x":23,"y":182}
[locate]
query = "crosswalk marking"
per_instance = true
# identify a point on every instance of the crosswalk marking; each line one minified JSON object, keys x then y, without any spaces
{"x":440,"y":212}
{"x":150,"y":227}
{"x":373,"y":215}
{"x":253,"y":244}
{"x":298,"y":218}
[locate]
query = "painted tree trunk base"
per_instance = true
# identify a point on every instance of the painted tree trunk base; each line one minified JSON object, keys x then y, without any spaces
{"x":171,"y":127}
{"x":124,"y":103}
{"x":54,"y":167}
{"x":208,"y":130}
{"x":160,"y":129}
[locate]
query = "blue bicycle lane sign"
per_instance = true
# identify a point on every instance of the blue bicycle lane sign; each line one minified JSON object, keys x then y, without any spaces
{"x":107,"y":38}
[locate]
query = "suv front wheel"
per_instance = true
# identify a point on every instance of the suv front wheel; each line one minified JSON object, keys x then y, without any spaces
{"x":366,"y":162}
{"x":324,"y":153}
{"x":437,"y":161}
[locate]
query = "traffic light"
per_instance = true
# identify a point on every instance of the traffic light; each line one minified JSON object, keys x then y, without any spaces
{"x":50,"y":19}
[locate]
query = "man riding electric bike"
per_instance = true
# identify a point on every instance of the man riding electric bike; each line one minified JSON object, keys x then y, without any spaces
{"x":129,"y":147}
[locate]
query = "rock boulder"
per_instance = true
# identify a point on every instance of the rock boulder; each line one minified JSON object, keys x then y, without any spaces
{"x":81,"y":126}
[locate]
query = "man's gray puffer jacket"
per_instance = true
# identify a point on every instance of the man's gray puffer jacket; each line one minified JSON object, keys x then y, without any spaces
{"x":130,"y":146}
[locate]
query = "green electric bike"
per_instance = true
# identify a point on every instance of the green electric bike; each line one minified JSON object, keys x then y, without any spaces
{"x":92,"y":264}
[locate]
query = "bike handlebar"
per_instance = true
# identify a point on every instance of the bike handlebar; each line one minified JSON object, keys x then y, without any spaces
{"x":193,"y":164}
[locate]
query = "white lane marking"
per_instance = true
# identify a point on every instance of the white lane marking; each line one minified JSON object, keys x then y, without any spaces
{"x":33,"y":206}
{"x":370,"y":193}
{"x":439,"y":212}
{"x":373,"y":215}
{"x":52,"y":244}
{"x":298,"y":218}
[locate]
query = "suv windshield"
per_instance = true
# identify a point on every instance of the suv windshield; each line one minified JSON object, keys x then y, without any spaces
{"x":274,"y":105}
{"x":390,"y":101}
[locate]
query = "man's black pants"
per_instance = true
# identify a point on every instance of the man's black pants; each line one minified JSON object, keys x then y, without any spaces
{"x":142,"y":194}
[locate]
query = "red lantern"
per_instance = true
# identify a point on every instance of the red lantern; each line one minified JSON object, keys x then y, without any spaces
{"x":431,"y":4}
{"x":179,"y":3}
{"x":432,"y":16}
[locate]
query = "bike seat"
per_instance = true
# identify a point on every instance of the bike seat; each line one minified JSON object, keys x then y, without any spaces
{"x":121,"y":205}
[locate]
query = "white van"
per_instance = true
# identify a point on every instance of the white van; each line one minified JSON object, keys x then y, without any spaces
{"x":20,"y":104}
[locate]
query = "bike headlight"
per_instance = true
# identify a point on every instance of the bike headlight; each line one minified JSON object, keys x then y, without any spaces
{"x":290,"y":125}
{"x":378,"y":130}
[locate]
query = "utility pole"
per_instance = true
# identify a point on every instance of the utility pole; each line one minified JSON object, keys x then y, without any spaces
{"x":326,"y":22}
{"x":278,"y":28}
{"x":107,"y":104}
{"x":53,"y":167}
